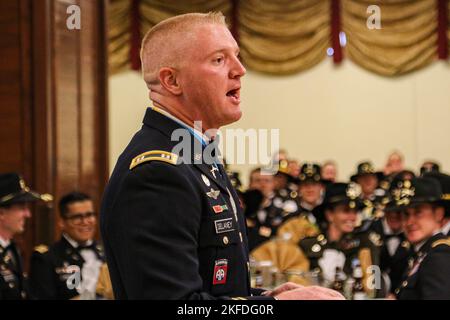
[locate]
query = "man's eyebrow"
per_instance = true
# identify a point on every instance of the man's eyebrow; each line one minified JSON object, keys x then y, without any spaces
{"x":223,"y":50}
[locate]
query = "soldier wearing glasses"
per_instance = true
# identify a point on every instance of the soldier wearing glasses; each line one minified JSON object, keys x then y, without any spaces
{"x":70,"y":268}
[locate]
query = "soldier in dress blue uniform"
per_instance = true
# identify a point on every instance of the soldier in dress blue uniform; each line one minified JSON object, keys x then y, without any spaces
{"x":371,"y":194}
{"x":273,"y":209}
{"x":70,"y":267}
{"x":426,"y":276}
{"x":14,"y":199}
{"x":444,"y":203}
{"x":338,"y":245}
{"x":395,"y":249}
{"x":171,"y":222}
{"x":310,"y":192}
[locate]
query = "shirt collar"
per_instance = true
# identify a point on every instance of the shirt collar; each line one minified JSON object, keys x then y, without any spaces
{"x":4,"y":242}
{"x":419,"y":246}
{"x":445,"y":229}
{"x":74,"y":243}
{"x":386,"y":228}
{"x":196,"y":133}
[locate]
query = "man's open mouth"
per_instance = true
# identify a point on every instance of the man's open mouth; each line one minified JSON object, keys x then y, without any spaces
{"x":234,"y":94}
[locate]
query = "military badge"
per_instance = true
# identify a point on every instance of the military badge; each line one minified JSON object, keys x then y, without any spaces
{"x":353,"y":190}
{"x":206,"y":180}
{"x":220,"y":271}
{"x":220,"y":208}
{"x":404,"y":193}
{"x":213,"y":194}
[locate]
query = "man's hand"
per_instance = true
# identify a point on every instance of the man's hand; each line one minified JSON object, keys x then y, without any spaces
{"x":284,"y":287}
{"x":310,"y":293}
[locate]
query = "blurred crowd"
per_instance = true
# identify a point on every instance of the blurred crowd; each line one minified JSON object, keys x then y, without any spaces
{"x":374,"y":229}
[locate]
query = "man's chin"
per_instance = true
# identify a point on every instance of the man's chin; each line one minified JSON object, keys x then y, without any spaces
{"x":231,"y":118}
{"x":414,"y":237}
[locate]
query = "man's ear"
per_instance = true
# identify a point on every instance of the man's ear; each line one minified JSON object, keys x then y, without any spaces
{"x":328,"y":215}
{"x":439,"y":213}
{"x":169,"y":80}
{"x":61,"y":223}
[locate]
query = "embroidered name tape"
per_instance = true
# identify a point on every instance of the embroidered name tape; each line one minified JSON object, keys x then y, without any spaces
{"x":224,"y":225}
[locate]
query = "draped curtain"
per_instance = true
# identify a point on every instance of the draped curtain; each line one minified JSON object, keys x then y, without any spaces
{"x":119,"y":35}
{"x":407,"y":39}
{"x":288,"y":36}
{"x":154,"y":11}
{"x":285,"y":36}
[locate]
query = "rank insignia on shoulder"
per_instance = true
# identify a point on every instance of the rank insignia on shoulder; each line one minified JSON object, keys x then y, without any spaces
{"x":154,"y":155}
{"x":41,"y":248}
{"x":441,"y":242}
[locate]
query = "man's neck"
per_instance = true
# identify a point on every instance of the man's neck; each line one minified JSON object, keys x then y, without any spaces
{"x":367,"y":196}
{"x":334,"y":234}
{"x":307,"y":205}
{"x":446,"y":227}
{"x":387,"y":228}
{"x":418,"y":245}
{"x":4,"y":241}
{"x":5,"y":236}
{"x":75,"y":243}
{"x":189,"y":118}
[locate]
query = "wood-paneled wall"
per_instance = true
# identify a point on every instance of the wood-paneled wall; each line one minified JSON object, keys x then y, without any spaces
{"x":53,"y":104}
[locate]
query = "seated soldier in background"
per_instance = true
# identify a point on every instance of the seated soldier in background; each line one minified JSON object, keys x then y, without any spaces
{"x":371,"y":194}
{"x":395,"y":250}
{"x":395,"y":163}
{"x":427,"y":275}
{"x":310,"y":187}
{"x":303,"y":222}
{"x":263,"y":222}
{"x":444,"y":203}
{"x":15,"y":197}
{"x":429,"y":166}
{"x":285,"y":182}
{"x":70,"y":268}
{"x":329,"y":171}
{"x":337,"y":248}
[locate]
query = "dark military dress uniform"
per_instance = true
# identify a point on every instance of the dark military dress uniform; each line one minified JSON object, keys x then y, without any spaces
{"x":394,"y":265}
{"x":52,"y":267}
{"x":444,"y":202}
{"x":350,"y":245}
{"x":372,"y":205}
{"x":361,"y":246}
{"x":13,"y":284}
{"x":427,"y":276}
{"x":264,"y":223}
{"x":172,"y":230}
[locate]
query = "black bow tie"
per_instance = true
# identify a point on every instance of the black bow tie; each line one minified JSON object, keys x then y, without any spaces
{"x":88,"y":247}
{"x":390,"y":236}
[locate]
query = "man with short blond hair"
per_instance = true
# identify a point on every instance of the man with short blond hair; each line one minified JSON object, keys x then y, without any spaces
{"x":170,"y":218}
